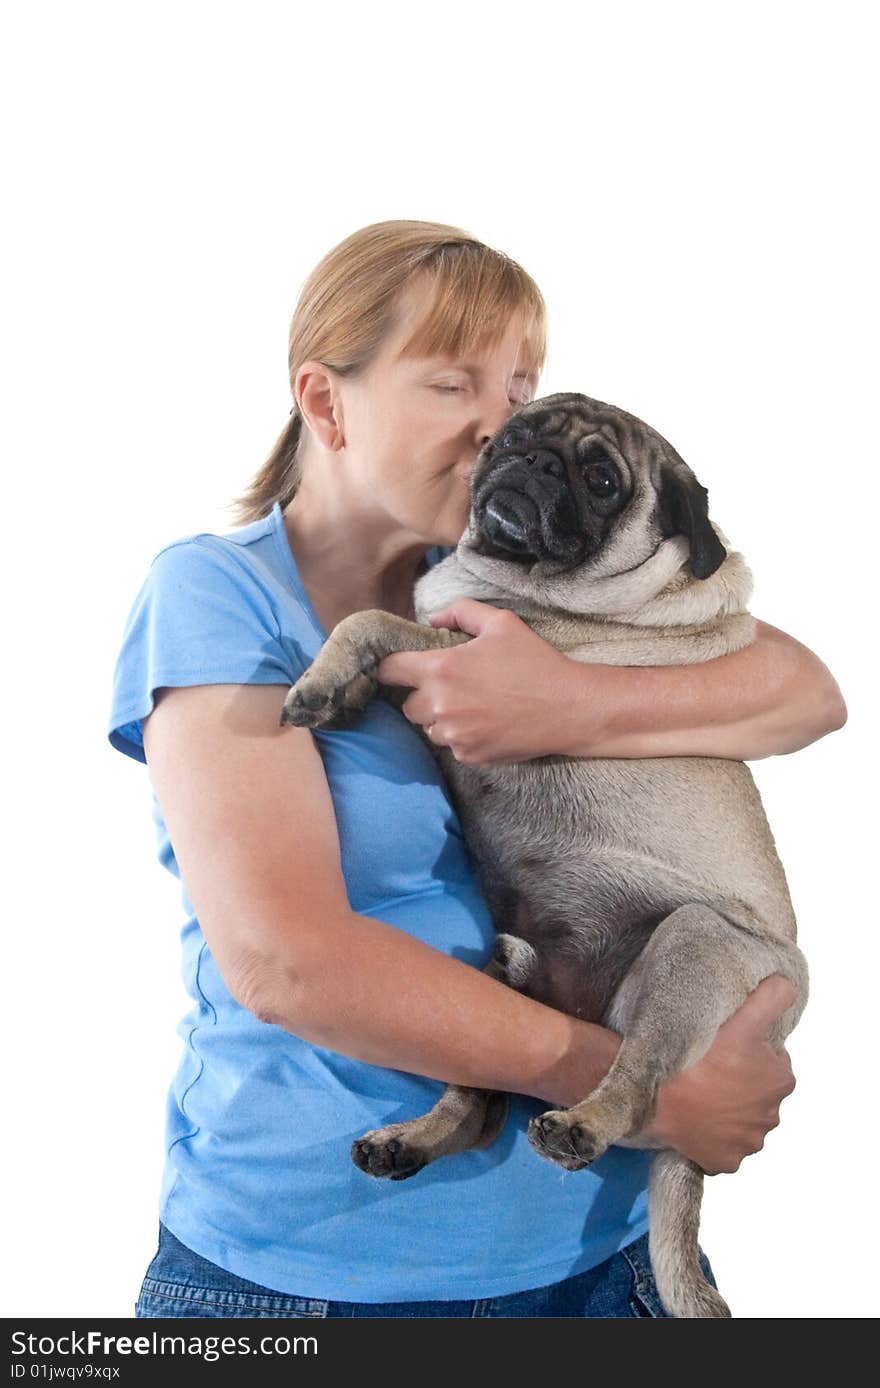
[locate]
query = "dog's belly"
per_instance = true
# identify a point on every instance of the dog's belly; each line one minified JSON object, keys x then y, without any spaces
{"x":577,"y":968}
{"x":583,"y":858}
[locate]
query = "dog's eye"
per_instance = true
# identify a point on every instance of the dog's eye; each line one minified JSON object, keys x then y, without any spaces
{"x":516,"y":433}
{"x":601,"y":479}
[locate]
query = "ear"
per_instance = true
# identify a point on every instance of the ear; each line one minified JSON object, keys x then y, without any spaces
{"x":683,"y":509}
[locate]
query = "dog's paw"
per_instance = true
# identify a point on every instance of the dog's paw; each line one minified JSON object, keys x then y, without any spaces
{"x":569,"y":1144}
{"x":314,"y":702}
{"x":384,"y":1152}
{"x":310,"y":708}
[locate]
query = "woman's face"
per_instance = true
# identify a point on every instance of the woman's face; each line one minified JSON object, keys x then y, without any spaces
{"x":413,"y":428}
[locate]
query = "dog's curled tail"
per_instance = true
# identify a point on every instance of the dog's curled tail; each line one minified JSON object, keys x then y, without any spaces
{"x":675,"y":1194}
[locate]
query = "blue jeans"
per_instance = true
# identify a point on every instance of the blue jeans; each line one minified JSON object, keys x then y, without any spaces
{"x":180,"y":1283}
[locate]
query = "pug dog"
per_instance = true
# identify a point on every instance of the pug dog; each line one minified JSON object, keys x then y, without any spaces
{"x":645,"y":895}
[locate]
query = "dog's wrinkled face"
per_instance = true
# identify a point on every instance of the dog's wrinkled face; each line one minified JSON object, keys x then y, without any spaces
{"x":567,"y":478}
{"x":547,"y":487}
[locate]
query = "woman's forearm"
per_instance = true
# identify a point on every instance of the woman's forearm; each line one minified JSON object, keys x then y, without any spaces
{"x":770,"y":698}
{"x":368,"y":990}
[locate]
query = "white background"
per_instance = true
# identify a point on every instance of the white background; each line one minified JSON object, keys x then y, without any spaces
{"x":690,"y":186}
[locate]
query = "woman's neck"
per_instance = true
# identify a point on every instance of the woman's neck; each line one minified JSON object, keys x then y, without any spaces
{"x":349,"y":563}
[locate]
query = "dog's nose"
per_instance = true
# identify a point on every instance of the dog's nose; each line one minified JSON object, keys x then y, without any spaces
{"x":511,"y":520}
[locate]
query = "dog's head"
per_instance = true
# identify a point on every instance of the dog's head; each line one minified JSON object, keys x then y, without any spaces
{"x":574,"y":483}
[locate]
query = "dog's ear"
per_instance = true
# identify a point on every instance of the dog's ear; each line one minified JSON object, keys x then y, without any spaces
{"x":683,"y":509}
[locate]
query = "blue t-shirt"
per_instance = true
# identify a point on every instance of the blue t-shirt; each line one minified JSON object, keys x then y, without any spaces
{"x":258,"y":1176}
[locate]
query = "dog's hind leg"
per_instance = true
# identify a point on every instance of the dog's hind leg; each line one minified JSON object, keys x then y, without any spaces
{"x":463,"y":1119}
{"x":695,"y":971}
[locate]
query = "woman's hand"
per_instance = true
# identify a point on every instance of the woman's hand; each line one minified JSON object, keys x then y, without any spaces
{"x":509,"y":695}
{"x":768,"y":699}
{"x":719,"y":1110}
{"x":491,"y":700}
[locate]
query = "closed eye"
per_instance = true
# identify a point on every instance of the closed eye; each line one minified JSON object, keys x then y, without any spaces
{"x":517,"y":404}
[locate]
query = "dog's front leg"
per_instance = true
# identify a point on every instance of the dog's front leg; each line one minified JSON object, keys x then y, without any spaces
{"x":341,"y":680}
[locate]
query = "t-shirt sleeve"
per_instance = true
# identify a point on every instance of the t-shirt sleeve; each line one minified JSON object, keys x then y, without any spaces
{"x":201,"y":617}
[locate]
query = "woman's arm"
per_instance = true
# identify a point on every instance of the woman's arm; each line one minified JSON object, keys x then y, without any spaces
{"x":770,"y":698}
{"x":249,"y":812}
{"x":509,"y":696}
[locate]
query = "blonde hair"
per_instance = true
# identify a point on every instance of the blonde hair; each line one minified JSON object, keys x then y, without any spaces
{"x":347,"y":306}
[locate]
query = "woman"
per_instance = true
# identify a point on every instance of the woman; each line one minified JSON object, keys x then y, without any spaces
{"x":335,"y":931}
